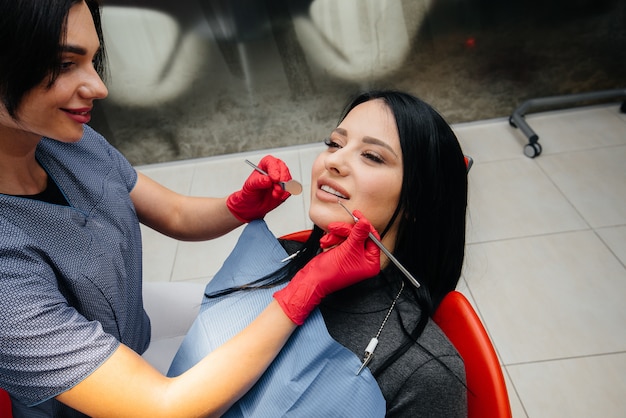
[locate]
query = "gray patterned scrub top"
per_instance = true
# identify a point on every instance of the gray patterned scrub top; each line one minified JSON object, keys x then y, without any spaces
{"x":70,"y":276}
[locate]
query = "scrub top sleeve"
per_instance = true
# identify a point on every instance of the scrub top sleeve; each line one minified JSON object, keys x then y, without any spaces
{"x":46,"y":346}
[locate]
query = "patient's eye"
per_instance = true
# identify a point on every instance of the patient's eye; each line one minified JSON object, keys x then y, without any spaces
{"x":331,"y":144}
{"x":373,"y":156}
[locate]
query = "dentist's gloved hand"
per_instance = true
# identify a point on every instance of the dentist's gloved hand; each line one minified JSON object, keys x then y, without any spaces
{"x":260,"y":193}
{"x":355,"y":258}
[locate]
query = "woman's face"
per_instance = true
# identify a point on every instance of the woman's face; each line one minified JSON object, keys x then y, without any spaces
{"x":60,"y":111}
{"x":362,"y":168}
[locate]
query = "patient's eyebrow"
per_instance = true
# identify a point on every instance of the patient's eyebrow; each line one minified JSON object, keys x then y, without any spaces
{"x":367,"y":140}
{"x":376,"y":141}
{"x":341,"y":131}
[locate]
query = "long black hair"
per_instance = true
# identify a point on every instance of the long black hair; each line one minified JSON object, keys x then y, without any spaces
{"x":431,"y":211}
{"x":32,"y":33}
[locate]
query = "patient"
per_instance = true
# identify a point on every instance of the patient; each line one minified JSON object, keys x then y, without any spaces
{"x":394,"y":160}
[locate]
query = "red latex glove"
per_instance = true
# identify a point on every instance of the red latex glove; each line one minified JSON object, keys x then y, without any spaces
{"x":260,"y":193}
{"x":356,"y":258}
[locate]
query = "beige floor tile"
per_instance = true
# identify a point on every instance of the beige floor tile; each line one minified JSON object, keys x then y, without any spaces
{"x":288,"y":217}
{"x":490,"y":141}
{"x":574,"y":388}
{"x":159,"y":255}
{"x":594,"y":181}
{"x":222,"y":176}
{"x":159,"y":251}
{"x":514,"y":198}
{"x":175,"y":176}
{"x":615,"y":239}
{"x":517,"y":408}
{"x":307,"y":156}
{"x":548,"y":297}
{"x":196,"y":260}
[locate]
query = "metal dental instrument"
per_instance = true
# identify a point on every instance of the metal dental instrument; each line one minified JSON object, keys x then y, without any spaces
{"x":380,"y":245}
{"x":292,"y":186}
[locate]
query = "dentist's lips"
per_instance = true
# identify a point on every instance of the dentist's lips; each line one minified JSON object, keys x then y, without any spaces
{"x":79,"y":115}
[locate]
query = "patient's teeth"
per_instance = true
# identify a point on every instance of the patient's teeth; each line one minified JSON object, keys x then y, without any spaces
{"x":329,"y":189}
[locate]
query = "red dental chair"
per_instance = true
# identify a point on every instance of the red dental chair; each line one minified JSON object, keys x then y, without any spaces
{"x":487,"y":396}
{"x":5,"y":405}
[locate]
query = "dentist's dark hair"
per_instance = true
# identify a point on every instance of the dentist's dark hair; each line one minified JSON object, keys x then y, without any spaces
{"x":30,"y":52}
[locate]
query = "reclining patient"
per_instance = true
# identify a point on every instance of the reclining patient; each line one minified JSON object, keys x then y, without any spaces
{"x":370,"y":349}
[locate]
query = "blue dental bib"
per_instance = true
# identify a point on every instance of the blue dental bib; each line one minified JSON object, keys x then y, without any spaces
{"x":313,"y":375}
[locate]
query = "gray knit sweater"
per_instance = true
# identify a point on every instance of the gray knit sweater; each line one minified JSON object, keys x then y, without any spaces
{"x":428,"y":380}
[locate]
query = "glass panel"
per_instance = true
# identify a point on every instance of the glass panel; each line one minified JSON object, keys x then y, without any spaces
{"x":195,"y":78}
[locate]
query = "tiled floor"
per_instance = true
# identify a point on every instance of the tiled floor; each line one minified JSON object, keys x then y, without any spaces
{"x":546,"y":255}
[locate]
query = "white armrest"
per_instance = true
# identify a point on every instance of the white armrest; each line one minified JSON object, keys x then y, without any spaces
{"x":172,"y":308}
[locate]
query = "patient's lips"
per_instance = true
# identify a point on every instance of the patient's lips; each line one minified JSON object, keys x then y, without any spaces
{"x":329,"y":190}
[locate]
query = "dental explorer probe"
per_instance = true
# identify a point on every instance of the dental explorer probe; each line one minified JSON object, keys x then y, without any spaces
{"x":380,"y":245}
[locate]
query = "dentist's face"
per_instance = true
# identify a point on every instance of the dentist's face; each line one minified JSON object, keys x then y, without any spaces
{"x":59,"y":111}
{"x":362,"y":168}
